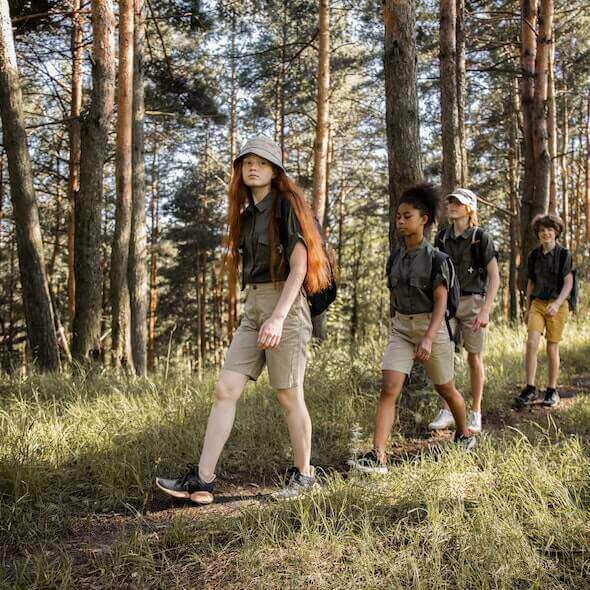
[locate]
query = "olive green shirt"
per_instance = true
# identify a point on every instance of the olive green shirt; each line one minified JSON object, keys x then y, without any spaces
{"x":255,"y":242}
{"x":411,"y":282}
{"x":471,"y":279}
{"x":543,"y":271}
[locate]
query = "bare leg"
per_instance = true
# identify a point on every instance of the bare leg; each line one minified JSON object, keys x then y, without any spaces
{"x":456,"y":404}
{"x":532,"y":348}
{"x":391,"y":386}
{"x":299,"y":424}
{"x":553,"y":356}
{"x":477,"y":375}
{"x":221,"y":419}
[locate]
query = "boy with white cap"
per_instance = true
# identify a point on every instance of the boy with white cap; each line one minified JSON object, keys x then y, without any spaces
{"x":473,"y":253}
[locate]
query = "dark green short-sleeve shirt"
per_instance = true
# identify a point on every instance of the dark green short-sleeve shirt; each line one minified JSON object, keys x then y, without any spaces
{"x":471,"y":280}
{"x":255,"y":242}
{"x":543,"y":271}
{"x":410,"y":279}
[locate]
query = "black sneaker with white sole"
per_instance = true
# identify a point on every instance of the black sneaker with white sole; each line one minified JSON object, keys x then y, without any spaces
{"x":527,"y":396}
{"x":368,"y":463}
{"x":551,"y":398}
{"x":465,"y":442}
{"x":297,"y":484}
{"x":188,"y":486}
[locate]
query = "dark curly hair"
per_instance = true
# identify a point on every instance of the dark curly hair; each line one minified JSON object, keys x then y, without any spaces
{"x":547,"y":220}
{"x":425,"y":197}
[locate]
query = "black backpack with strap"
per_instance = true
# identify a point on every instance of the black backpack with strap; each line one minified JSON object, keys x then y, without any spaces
{"x":454,"y":291}
{"x":320,"y":301}
{"x":572,"y":298}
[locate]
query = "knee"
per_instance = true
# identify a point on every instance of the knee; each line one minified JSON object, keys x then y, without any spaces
{"x":225,"y":393}
{"x":553,"y":349}
{"x":288,"y":398}
{"x":447,"y":390}
{"x":389,"y":392}
{"x":533,"y":342}
{"x":475,"y":360}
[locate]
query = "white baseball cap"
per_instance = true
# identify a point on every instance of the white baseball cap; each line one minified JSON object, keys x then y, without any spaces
{"x":464,"y":196}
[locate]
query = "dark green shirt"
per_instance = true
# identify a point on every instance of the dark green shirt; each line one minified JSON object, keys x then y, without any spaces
{"x":471,"y":280}
{"x":543,"y":271}
{"x":410,"y":279}
{"x":255,"y":242}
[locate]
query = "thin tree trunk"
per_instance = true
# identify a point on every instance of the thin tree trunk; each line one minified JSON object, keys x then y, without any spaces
{"x":120,"y":253}
{"x":552,"y":131}
{"x":57,"y":227}
{"x":461,"y":91}
{"x":154,"y":237}
{"x":587,"y":171}
{"x":35,"y":288}
{"x":137,"y":246}
{"x":513,"y":160}
{"x":564,"y":173}
{"x":77,"y":51}
{"x":89,"y":199}
{"x":320,"y":148}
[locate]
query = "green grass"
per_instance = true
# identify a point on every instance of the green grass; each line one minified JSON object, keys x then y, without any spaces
{"x":514,"y":514}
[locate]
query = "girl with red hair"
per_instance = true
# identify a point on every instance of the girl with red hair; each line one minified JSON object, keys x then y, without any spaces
{"x":273,"y":233}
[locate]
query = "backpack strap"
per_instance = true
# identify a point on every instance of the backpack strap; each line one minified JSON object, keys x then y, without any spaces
{"x":438,"y":260}
{"x":439,"y":240}
{"x":476,"y":250}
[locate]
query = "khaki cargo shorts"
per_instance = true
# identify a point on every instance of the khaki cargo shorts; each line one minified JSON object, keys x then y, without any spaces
{"x":406,"y":332}
{"x":469,"y":307}
{"x":539,"y":321}
{"x":286,"y":363}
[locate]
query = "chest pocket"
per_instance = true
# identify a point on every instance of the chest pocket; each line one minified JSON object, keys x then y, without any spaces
{"x":420,"y":282}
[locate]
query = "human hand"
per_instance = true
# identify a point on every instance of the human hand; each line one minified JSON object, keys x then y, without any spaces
{"x":423,"y":349}
{"x":481,"y":320}
{"x":552,"y":309}
{"x":270,"y":333}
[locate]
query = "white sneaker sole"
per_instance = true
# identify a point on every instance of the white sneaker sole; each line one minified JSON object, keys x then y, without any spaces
{"x":433,"y":426}
{"x":382,"y":470}
{"x":196,"y":497}
{"x":474,"y":429}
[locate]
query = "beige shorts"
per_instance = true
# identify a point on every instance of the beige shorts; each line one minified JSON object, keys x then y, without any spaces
{"x":469,"y":307}
{"x":286,"y":363}
{"x":406,"y":332}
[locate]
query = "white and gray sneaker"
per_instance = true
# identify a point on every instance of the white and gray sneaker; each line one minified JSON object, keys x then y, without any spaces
{"x":474,"y":421}
{"x":368,"y":463}
{"x":297,"y":484}
{"x":443,"y":421}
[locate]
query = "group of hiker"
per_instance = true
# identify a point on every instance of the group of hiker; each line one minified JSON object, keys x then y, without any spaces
{"x":442,"y":296}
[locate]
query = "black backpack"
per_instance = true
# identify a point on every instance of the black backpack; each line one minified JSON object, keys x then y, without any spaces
{"x":572,"y":298}
{"x":318,"y":302}
{"x":454,"y":291}
{"x":476,"y":250}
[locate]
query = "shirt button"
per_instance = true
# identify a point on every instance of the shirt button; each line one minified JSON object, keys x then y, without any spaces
{"x":254,"y":287}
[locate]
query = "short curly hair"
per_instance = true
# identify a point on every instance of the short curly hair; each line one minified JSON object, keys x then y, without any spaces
{"x":425,"y":197}
{"x":548,"y":220}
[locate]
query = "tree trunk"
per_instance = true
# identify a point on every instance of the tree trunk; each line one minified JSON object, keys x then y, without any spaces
{"x":154,"y":237}
{"x":77,"y":51}
{"x":552,"y":131}
{"x":35,"y":288}
{"x":137,"y":246}
{"x":451,"y":150}
{"x":89,"y":200}
{"x":320,"y":148}
{"x":461,"y":91}
{"x":528,"y":50}
{"x":513,"y":167}
{"x":401,"y":103}
{"x":120,"y":253}
{"x":587,"y":171}
{"x":564,"y":173}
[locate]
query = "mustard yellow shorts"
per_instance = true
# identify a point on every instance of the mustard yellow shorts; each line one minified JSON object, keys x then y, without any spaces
{"x":469,"y":307}
{"x":286,"y":363}
{"x":539,"y":321}
{"x":406,"y":332}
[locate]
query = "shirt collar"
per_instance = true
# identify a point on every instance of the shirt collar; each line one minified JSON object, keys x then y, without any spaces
{"x":423,"y":244}
{"x":466,"y":235}
{"x":261,"y":205}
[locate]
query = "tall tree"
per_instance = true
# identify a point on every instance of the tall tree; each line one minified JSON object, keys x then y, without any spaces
{"x":461,"y":82}
{"x":137,"y":246}
{"x":36,"y":296}
{"x":89,"y":200}
{"x":120,"y":252}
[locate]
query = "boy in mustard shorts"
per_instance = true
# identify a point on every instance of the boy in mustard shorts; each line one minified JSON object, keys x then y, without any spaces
{"x":550,"y":281}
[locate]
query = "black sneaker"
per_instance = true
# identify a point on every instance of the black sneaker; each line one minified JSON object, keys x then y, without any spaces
{"x":465,"y":442}
{"x":297,"y":484}
{"x":527,"y":396}
{"x":368,"y":463}
{"x":551,"y":398}
{"x":189,"y":486}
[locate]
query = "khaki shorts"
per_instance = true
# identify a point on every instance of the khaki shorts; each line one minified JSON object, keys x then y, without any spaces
{"x":540,"y":322}
{"x":286,"y":363}
{"x":469,"y":307}
{"x":406,"y":332}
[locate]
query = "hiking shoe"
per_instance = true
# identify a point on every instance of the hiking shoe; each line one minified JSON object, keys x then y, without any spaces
{"x":189,"y":486}
{"x":368,"y":463}
{"x":551,"y":398}
{"x":474,"y":421}
{"x":443,"y":420}
{"x":465,"y":442}
{"x":527,"y":396}
{"x":297,"y":484}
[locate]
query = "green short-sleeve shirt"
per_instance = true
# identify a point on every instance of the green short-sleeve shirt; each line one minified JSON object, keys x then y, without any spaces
{"x":543,"y":271}
{"x":256,"y":243}
{"x":411,"y":282}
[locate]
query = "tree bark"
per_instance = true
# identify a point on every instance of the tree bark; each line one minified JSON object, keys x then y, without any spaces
{"x":120,"y":253}
{"x":587,"y":171}
{"x":320,"y":148}
{"x":35,"y":288}
{"x":461,"y":91}
{"x":89,"y":200}
{"x":137,"y":246}
{"x":564,"y":173}
{"x":154,"y":238}
{"x":77,"y":51}
{"x":552,"y":131}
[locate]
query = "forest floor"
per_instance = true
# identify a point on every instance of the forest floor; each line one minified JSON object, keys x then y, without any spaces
{"x":78,"y":455}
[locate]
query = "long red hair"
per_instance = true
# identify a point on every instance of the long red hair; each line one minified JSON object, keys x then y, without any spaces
{"x":318,"y":275}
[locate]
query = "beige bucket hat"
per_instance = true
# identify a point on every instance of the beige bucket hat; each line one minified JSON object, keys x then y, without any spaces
{"x":264,"y":147}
